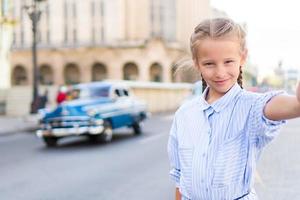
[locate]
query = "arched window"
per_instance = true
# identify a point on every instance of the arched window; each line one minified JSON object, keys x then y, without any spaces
{"x":156,"y":72}
{"x":130,"y":71}
{"x":46,"y":75}
{"x":71,"y":74}
{"x":99,"y":72}
{"x":19,"y":76}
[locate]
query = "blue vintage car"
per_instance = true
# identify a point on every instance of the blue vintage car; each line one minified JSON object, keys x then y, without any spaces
{"x":95,"y":110}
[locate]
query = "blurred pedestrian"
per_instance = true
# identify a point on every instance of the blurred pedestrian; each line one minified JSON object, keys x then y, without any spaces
{"x":61,"y":95}
{"x":43,"y":100}
{"x":216,"y":139}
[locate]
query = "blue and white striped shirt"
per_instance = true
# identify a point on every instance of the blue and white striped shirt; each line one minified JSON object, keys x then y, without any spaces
{"x":213,"y":148}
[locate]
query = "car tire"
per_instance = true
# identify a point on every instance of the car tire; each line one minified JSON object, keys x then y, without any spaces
{"x":107,"y":134}
{"x":93,"y":138}
{"x":50,"y":141}
{"x":137,"y":128}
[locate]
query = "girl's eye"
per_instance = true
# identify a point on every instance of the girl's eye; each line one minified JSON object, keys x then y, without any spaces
{"x":229,"y":61}
{"x":208,"y":64}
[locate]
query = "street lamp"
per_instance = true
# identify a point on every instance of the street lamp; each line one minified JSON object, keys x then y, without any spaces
{"x":34,"y":15}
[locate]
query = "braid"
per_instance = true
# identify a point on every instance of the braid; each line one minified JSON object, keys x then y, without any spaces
{"x":240,"y":78}
{"x":204,"y":85}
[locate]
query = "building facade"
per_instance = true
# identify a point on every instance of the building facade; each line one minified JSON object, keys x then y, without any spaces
{"x":6,"y":28}
{"x":92,"y":40}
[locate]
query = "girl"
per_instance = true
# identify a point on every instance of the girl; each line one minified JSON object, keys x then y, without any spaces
{"x":216,"y":140}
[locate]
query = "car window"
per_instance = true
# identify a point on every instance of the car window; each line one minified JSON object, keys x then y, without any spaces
{"x":83,"y":93}
{"x":74,"y":94}
{"x":99,"y":92}
{"x":126,"y":93}
{"x":118,"y":92}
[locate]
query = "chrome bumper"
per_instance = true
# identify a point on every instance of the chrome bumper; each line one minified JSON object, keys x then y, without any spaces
{"x":61,"y":132}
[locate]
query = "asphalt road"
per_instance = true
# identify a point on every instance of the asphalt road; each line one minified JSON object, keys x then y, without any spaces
{"x":131,"y":167}
{"x":279,"y":168}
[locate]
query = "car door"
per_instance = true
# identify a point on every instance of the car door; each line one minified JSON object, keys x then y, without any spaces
{"x":122,"y":105}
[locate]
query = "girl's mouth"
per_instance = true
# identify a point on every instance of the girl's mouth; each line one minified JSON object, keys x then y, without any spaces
{"x":221,"y":82}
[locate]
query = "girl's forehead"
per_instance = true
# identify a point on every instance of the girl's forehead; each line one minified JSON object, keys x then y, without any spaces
{"x":209,"y":46}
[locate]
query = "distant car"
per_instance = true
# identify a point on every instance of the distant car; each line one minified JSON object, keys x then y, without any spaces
{"x":94,"y":110}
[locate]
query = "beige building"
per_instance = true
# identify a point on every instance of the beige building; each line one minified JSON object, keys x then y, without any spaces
{"x":6,"y":26}
{"x":82,"y":41}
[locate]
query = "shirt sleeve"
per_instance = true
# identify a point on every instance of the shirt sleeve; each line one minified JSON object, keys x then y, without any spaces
{"x":264,"y":129}
{"x":173,"y":154}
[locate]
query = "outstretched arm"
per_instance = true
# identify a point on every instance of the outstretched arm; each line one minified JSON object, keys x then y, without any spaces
{"x":177,"y":194}
{"x":283,"y":107}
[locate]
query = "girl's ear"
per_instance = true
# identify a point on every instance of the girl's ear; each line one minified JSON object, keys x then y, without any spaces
{"x":244,"y":55}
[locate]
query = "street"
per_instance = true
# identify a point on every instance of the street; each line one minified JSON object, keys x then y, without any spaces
{"x":279,"y":167}
{"x":131,"y":167}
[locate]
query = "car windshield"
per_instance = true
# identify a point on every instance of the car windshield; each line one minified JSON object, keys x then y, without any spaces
{"x":99,"y":92}
{"x":89,"y":92}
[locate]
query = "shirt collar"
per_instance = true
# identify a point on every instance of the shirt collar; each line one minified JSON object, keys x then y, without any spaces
{"x":223,"y":101}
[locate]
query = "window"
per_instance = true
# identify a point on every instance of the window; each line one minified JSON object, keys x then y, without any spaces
{"x":130,"y":71}
{"x":118,"y":92}
{"x":70,"y":25}
{"x":99,"y":72}
{"x":93,"y":21}
{"x":22,"y":24}
{"x":163,"y":19}
{"x":102,"y":17}
{"x":74,"y":9}
{"x":126,"y":93}
{"x":48,"y":23}
{"x":66,"y":38}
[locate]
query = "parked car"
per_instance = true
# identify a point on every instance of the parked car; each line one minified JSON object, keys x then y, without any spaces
{"x":95,"y":110}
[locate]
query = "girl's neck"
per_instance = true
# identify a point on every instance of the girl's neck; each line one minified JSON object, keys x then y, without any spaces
{"x":212,"y":96}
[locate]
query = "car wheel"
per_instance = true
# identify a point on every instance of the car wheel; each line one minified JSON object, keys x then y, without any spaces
{"x":50,"y":141}
{"x":93,"y":138}
{"x":137,"y":128}
{"x":107,"y":134}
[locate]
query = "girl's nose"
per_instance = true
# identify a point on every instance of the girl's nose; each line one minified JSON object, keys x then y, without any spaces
{"x":220,"y":72}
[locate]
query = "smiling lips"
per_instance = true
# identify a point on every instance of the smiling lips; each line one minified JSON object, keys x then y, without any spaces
{"x":221,"y":82}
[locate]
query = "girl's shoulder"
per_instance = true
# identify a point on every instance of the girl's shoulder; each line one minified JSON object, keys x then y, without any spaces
{"x":254,"y":96}
{"x":249,"y":96}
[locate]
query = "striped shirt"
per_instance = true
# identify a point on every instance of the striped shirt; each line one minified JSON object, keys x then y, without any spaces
{"x":213,"y":148}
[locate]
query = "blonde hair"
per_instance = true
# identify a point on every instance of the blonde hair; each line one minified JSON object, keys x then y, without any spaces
{"x":217,"y":28}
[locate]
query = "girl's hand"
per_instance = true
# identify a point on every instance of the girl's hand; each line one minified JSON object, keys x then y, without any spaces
{"x":298,"y":92}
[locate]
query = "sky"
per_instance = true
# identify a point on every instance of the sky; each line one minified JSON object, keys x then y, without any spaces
{"x":273,"y":29}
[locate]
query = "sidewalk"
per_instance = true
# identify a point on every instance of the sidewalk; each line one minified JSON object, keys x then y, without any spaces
{"x":11,"y":125}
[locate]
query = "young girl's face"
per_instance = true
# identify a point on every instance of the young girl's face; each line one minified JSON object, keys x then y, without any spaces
{"x":219,"y":61}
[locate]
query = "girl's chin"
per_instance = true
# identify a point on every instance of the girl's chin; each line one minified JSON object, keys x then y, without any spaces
{"x":223,"y":88}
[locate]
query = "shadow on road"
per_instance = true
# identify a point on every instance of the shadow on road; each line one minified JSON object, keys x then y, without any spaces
{"x":84,"y":142}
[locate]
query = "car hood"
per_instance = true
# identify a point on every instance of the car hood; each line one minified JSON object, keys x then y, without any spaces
{"x":76,"y":107}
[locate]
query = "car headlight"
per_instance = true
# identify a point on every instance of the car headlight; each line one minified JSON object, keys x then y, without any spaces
{"x":91,"y":112}
{"x":98,"y":122}
{"x":44,"y":126}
